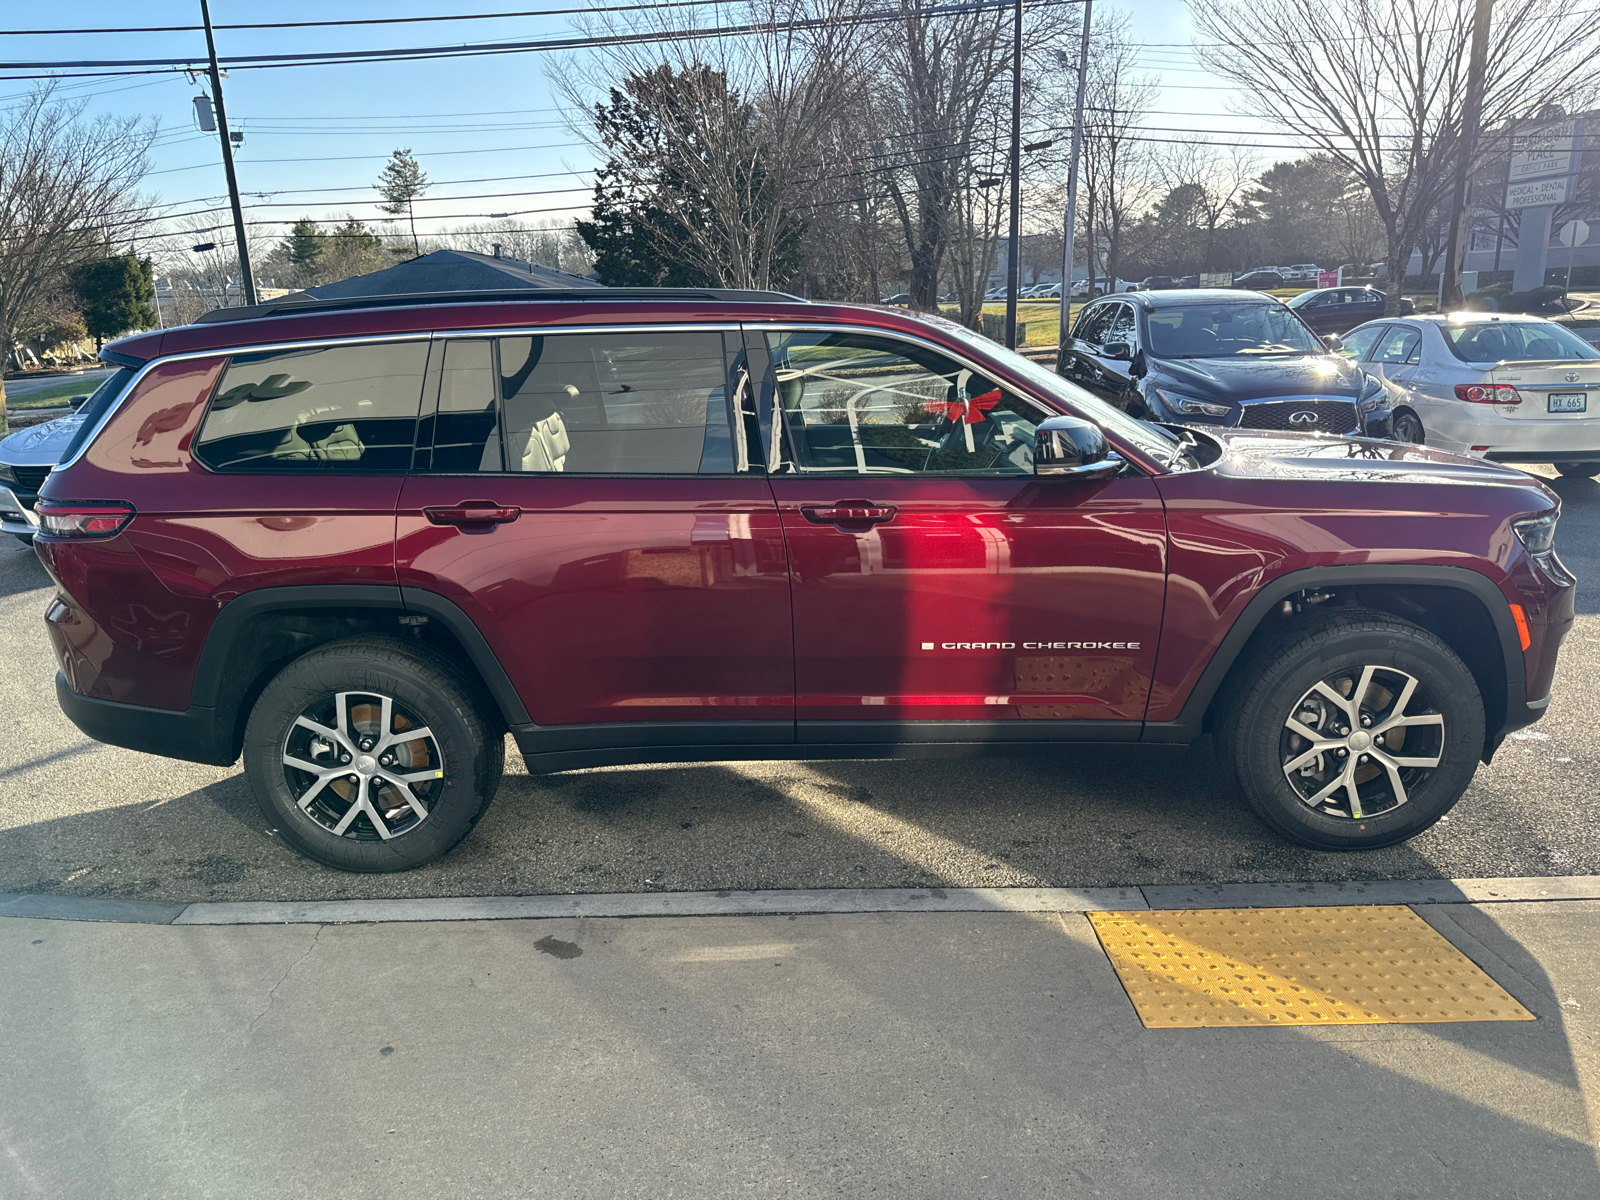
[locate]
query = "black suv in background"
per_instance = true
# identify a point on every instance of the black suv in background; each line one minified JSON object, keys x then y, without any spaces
{"x":1219,"y":357}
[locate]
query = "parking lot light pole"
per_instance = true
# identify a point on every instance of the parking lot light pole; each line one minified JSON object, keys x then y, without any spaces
{"x":1477,"y":65}
{"x":1071,"y":218}
{"x":1014,"y":250}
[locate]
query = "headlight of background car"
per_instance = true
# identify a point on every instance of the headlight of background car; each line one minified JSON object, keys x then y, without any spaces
{"x":1180,"y":403}
{"x":7,"y":475}
{"x":1374,"y":396}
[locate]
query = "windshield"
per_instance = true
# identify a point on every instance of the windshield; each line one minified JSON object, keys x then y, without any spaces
{"x":1151,"y":439}
{"x":1499,"y":341}
{"x":1229,"y":331}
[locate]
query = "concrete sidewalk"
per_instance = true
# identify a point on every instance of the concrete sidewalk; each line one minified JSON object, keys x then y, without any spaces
{"x":913,"y":1055}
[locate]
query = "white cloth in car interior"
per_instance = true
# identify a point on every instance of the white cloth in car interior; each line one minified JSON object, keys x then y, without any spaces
{"x":547,"y":445}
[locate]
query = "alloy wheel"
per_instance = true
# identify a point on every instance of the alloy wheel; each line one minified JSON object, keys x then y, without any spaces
{"x":1360,"y":741}
{"x":362,"y":766}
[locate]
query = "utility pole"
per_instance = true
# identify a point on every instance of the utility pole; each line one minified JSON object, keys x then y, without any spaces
{"x":1014,"y":250}
{"x":1455,"y":246}
{"x":227,"y":160}
{"x":1072,"y":186}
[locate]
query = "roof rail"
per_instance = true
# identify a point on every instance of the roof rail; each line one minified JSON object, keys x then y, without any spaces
{"x":302,"y":302}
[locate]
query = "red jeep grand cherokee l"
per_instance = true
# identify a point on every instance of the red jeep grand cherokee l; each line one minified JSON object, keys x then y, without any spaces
{"x":358,"y":541}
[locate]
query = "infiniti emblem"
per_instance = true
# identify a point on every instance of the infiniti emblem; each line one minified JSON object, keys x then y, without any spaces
{"x":1303,"y":417}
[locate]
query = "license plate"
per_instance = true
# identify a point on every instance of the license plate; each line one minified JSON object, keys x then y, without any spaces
{"x":1569,"y":401}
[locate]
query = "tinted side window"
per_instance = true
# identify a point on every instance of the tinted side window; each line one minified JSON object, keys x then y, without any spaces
{"x":466,"y":431}
{"x":616,"y":404}
{"x":1397,"y":346}
{"x":861,"y":404}
{"x":1122,"y":327}
{"x":1092,"y":324}
{"x":1358,"y":341}
{"x":330,"y":408}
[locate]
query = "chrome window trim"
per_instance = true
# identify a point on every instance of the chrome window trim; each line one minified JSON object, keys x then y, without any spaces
{"x":360,"y":339}
{"x":554,"y":331}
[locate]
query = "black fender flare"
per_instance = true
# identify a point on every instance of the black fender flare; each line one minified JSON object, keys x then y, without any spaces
{"x":1518,"y":713}
{"x":235,"y":615}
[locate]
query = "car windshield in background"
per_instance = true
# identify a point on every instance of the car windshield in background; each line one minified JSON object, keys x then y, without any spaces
{"x":1228,"y":331}
{"x":1515,"y":341}
{"x":1155,"y":441}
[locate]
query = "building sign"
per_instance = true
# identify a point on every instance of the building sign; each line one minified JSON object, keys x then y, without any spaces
{"x":1537,"y":193}
{"x":1547,"y":151}
{"x":1326,"y":279}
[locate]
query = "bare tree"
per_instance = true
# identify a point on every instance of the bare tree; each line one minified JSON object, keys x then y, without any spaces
{"x":734,"y":124}
{"x":554,"y":244}
{"x":1119,"y":176}
{"x":1380,"y":85}
{"x":68,"y":192}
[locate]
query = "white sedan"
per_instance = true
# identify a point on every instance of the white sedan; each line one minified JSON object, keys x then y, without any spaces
{"x":1501,"y":386}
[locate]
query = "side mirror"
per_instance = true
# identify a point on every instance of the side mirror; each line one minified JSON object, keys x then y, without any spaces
{"x":1117,"y":351}
{"x":1333,"y":341}
{"x":76,"y":402}
{"x":1069,"y":446}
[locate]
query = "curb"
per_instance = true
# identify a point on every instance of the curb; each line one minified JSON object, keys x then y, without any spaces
{"x":806,"y":901}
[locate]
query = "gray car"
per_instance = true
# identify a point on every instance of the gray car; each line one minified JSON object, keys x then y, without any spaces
{"x":27,"y":456}
{"x":1502,"y":386}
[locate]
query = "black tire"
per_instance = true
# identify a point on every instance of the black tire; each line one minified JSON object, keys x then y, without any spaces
{"x":1408,"y":428}
{"x":1278,"y":674}
{"x":427,"y":693}
{"x":25,"y":538}
{"x":1578,"y":470}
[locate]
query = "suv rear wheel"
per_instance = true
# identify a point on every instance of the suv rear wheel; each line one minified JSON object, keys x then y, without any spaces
{"x":1579,"y":469}
{"x":370,"y":754}
{"x":1352,"y":730}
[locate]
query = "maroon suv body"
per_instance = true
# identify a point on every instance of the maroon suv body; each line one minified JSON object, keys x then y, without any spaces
{"x":669,"y":527}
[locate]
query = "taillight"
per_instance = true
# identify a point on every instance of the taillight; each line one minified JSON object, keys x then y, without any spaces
{"x":1488,"y":393}
{"x":82,"y":518}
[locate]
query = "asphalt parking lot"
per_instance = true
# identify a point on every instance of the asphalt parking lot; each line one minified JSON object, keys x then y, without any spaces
{"x":84,"y":819}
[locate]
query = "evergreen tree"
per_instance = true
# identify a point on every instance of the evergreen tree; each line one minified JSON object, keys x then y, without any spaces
{"x":115,"y":294}
{"x":305,"y":244}
{"x":401,"y":182}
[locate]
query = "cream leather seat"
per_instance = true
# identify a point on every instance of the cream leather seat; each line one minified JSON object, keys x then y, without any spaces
{"x":547,"y":445}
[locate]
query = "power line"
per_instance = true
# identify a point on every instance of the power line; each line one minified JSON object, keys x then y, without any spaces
{"x":498,"y":16}
{"x":478,"y":49}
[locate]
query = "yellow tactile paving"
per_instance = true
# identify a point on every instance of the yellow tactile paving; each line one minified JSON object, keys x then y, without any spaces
{"x":1350,"y":965}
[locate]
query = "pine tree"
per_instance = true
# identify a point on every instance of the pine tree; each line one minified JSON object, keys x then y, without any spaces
{"x":401,"y":182}
{"x":115,"y":294}
{"x":305,"y":244}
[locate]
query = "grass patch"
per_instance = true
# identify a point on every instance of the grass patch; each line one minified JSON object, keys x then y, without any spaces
{"x":52,"y":397}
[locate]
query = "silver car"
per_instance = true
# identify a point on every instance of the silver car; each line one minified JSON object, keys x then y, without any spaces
{"x":1501,"y":386}
{"x":27,"y":456}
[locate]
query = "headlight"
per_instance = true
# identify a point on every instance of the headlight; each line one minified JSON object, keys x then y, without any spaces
{"x":1374,"y":396}
{"x":1538,"y":535}
{"x":1180,"y":403}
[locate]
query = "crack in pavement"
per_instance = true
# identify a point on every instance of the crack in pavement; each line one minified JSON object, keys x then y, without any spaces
{"x":272,"y":993}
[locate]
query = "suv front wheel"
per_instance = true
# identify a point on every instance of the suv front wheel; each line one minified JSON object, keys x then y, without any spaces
{"x":1351,"y":730}
{"x":370,"y":754}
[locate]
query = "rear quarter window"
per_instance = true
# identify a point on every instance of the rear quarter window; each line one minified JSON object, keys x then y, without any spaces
{"x":326,"y":409}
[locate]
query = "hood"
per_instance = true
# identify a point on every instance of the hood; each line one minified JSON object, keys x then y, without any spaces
{"x":1250,"y":454}
{"x":1236,"y":380}
{"x":39,"y":445}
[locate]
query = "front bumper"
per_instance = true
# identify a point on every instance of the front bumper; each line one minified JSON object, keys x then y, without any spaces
{"x":16,"y":513}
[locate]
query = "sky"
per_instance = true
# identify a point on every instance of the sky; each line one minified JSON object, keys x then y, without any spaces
{"x":488,"y":131}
